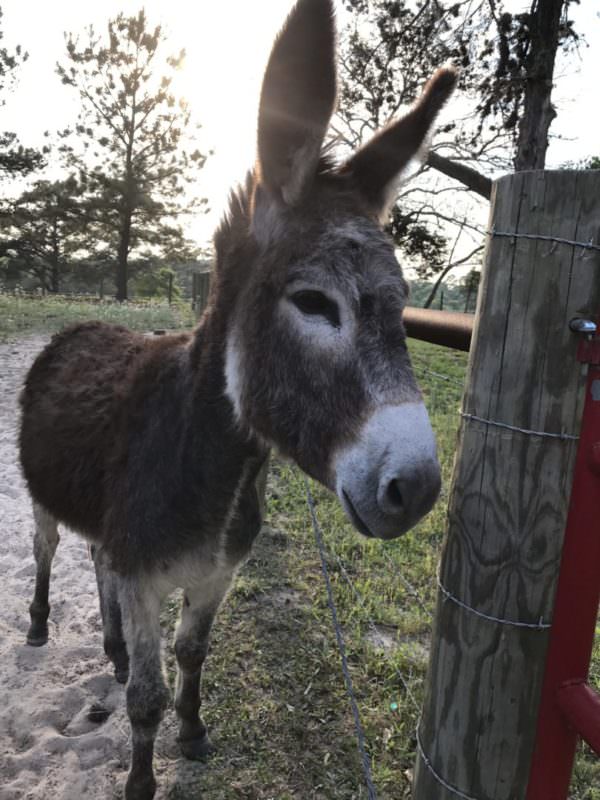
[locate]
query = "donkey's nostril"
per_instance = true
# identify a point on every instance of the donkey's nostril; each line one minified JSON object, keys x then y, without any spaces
{"x":394,"y":495}
{"x":406,"y":496}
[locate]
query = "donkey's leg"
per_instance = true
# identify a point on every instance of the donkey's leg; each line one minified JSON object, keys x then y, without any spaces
{"x":200,"y":604}
{"x":110,"y":610}
{"x":45,"y":541}
{"x":199,"y":607}
{"x":147,"y":694}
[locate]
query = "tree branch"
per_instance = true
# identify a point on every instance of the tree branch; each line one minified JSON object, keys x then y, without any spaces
{"x":445,"y":271}
{"x":467,"y":175}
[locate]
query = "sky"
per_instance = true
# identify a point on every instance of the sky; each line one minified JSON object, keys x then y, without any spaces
{"x":227,"y":44}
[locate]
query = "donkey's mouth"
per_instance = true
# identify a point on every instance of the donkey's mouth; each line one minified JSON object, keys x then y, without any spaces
{"x":355,"y":518}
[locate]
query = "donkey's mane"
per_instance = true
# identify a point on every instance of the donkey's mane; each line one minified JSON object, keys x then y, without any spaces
{"x":236,"y":220}
{"x":235,"y":223}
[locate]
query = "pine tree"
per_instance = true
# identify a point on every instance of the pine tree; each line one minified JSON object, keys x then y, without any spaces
{"x":130,"y":140}
{"x":44,"y":231}
{"x":15,"y":160}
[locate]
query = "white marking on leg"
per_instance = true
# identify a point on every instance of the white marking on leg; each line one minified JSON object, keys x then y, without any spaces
{"x":202,"y":597}
{"x":45,"y":540}
{"x":147,"y":694}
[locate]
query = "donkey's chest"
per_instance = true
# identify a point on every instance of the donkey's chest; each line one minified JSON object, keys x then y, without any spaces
{"x":213,"y":540}
{"x":215,"y":556}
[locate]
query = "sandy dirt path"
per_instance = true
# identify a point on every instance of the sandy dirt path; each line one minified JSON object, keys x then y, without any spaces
{"x":49,"y":750}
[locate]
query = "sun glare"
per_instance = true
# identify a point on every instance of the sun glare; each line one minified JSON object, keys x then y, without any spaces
{"x":227,"y":48}
{"x":227,"y":45}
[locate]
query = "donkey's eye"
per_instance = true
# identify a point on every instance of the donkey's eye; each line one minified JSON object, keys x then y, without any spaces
{"x":318,"y":304}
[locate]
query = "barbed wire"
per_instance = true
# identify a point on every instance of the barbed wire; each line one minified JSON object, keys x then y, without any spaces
{"x":524,"y":431}
{"x":540,"y":625}
{"x":426,"y":761}
{"x":591,"y":245}
{"x":360,"y":735}
{"x":418,"y":367}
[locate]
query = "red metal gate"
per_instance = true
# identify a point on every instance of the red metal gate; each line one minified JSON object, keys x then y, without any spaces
{"x":569,"y":707}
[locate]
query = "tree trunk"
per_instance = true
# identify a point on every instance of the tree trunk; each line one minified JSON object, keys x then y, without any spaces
{"x":468,"y":298}
{"x":55,"y":260}
{"x":42,"y":275}
{"x":129,"y":206}
{"x":55,"y":278}
{"x":538,"y":110}
{"x":123,"y":257}
{"x":436,"y":286}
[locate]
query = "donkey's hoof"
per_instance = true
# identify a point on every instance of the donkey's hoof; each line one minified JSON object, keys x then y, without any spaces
{"x":138,"y":788}
{"x":37,"y":635}
{"x":117,"y":653}
{"x":97,"y":713}
{"x":121,"y":675}
{"x":195,"y":749}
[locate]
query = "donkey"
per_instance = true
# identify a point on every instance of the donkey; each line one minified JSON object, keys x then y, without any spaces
{"x":150,"y":448}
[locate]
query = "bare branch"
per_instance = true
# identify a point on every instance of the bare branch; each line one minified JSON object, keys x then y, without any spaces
{"x":467,"y":175}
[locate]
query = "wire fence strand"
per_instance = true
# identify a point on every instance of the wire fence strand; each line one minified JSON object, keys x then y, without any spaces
{"x":360,"y":734}
{"x":591,"y":245}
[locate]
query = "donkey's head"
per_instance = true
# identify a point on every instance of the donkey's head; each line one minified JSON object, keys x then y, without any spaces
{"x":316,"y":360}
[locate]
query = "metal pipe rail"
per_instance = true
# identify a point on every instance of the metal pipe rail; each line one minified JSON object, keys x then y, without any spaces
{"x":580,"y":705}
{"x":446,"y":328}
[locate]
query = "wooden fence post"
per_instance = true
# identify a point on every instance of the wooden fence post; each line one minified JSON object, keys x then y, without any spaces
{"x":511,"y":487}
{"x":200,"y":290}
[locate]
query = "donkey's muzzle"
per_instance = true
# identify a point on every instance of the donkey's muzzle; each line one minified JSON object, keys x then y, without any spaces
{"x":390,"y":477}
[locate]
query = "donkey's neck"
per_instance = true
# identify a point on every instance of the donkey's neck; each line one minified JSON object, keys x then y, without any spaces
{"x":220,"y":451}
{"x":227,"y":446}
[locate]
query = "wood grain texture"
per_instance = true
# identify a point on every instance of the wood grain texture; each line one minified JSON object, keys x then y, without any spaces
{"x":510,"y":491}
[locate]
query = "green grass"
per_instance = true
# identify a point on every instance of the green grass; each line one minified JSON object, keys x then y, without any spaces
{"x":21,"y":314}
{"x":273,"y":694}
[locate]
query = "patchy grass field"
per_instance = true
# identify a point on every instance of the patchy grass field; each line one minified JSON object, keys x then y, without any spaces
{"x":274,"y":697}
{"x":20,"y":314}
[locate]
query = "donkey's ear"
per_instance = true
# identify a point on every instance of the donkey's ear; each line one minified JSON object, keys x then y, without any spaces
{"x":297,"y":100}
{"x":377,"y":167}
